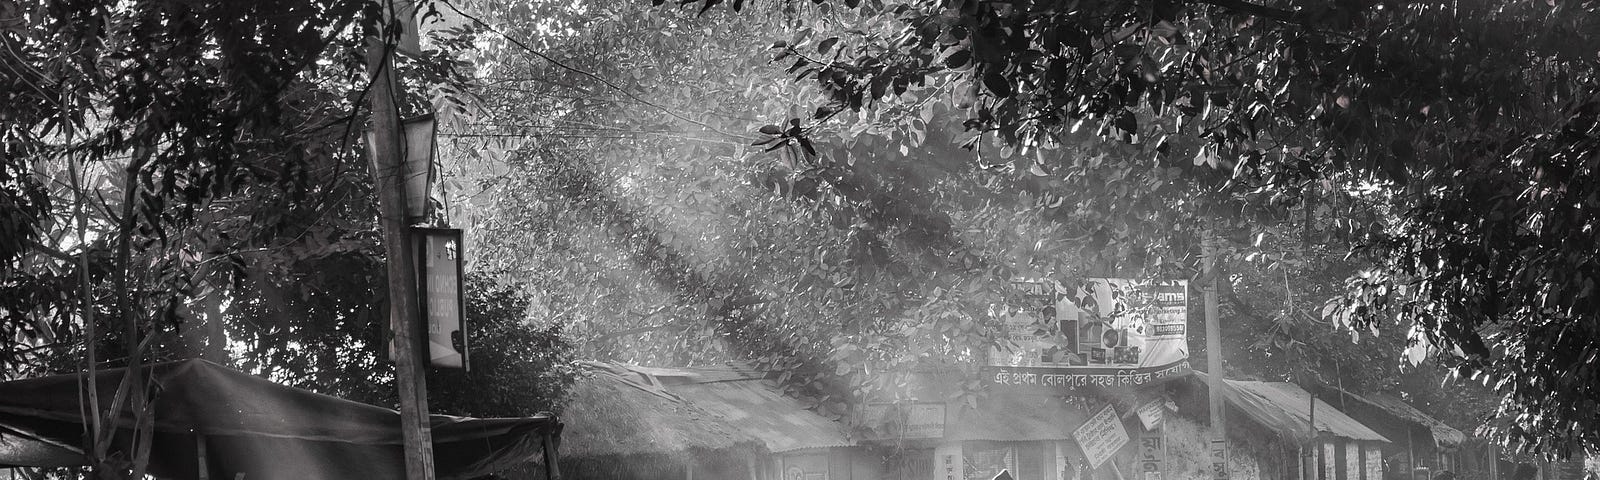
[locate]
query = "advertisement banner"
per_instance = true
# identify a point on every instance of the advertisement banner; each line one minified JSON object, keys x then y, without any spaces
{"x":1100,"y":332}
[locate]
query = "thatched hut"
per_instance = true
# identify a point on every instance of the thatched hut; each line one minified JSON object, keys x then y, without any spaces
{"x":622,"y":424}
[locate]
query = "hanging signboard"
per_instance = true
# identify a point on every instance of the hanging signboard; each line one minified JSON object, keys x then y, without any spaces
{"x":1101,"y":436}
{"x":416,"y":164}
{"x":439,"y":282}
{"x":1098,"y":332}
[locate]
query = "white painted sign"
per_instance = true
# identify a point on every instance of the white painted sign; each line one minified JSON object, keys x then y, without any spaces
{"x":1219,"y":459}
{"x":1101,"y":436}
{"x":948,"y":463}
{"x":1150,"y":414}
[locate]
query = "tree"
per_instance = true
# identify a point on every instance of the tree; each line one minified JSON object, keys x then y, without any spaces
{"x":170,"y":167}
{"x":1472,"y":143}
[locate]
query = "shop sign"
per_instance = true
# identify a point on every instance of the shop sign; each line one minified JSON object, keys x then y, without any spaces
{"x":1101,"y":436}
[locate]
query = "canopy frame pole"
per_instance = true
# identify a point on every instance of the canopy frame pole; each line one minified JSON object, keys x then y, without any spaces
{"x":204,"y":471}
{"x":551,"y":470}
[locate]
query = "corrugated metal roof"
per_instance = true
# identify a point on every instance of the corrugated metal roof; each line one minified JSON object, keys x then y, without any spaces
{"x":616,"y":412}
{"x":1285,"y":408}
{"x":754,"y":407}
{"x":1442,"y":434}
{"x":1390,"y":407}
{"x":1002,"y":417}
{"x":998,"y":416}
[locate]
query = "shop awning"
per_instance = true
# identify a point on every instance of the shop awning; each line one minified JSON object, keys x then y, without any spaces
{"x":250,"y":425}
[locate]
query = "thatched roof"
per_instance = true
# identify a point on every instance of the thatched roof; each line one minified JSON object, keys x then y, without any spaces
{"x":613,"y":412}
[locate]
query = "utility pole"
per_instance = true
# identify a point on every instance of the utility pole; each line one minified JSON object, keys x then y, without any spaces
{"x":1214,"y":381}
{"x":388,"y":171}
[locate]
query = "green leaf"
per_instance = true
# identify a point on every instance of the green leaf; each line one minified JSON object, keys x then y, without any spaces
{"x":997,"y":84}
{"x":958,"y":59}
{"x":825,"y":45}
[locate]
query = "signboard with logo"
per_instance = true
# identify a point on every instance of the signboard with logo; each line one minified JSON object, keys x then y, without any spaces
{"x":1101,"y":436}
{"x":1098,"y":332}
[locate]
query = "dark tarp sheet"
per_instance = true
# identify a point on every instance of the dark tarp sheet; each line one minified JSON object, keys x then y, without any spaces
{"x":255,"y":427}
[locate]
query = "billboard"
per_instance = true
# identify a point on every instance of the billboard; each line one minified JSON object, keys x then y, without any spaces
{"x":1098,"y":332}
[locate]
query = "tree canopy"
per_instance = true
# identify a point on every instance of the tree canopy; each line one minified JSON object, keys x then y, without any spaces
{"x":1462,"y":134}
{"x":1379,"y":176}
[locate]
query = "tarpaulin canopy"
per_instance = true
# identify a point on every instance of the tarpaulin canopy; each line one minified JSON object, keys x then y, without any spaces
{"x":235,"y":423}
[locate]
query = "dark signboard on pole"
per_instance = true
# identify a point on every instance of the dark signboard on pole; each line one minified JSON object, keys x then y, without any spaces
{"x":439,"y":280}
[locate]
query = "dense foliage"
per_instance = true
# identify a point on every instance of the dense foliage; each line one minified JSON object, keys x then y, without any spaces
{"x":184,"y":179}
{"x":189,"y":173}
{"x":1470,"y":138}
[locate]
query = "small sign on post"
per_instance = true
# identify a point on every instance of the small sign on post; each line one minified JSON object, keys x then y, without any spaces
{"x":1152,"y":455}
{"x":1151,"y":413}
{"x":1219,"y":459}
{"x":948,"y":463}
{"x":1101,"y":436}
{"x":439,"y":260}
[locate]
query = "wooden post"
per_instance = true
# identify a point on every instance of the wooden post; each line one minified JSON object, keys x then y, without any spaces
{"x":388,"y":172}
{"x":1411,"y":456}
{"x":1213,"y":339}
{"x":1494,"y":462}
